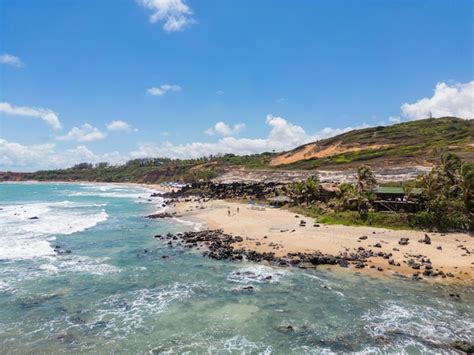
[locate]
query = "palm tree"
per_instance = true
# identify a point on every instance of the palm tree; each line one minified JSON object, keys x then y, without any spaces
{"x":311,"y":189}
{"x":348,"y":196}
{"x":467,"y":185}
{"x":296,"y":191}
{"x":451,"y":166}
{"x":408,"y":191}
{"x":366,"y":181}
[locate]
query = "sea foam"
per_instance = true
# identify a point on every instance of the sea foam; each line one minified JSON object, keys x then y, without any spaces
{"x":257,"y":274}
{"x":27,"y":229}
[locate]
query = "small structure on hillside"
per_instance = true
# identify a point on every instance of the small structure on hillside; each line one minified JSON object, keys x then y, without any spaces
{"x":393,"y":199}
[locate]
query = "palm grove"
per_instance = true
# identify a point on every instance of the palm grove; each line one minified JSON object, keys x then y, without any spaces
{"x":446,"y":200}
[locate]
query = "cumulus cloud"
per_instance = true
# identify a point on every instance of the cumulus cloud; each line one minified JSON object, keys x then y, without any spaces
{"x":283,"y":135}
{"x":455,"y":100}
{"x":46,"y":115}
{"x":223,"y":129}
{"x":9,"y":59}
{"x":15,"y":156}
{"x":120,"y":126}
{"x":85,"y":133}
{"x":330,"y":132}
{"x":163,"y":89}
{"x":286,"y":134}
{"x":175,"y":14}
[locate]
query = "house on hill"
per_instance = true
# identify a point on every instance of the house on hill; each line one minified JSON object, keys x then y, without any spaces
{"x":393,"y":199}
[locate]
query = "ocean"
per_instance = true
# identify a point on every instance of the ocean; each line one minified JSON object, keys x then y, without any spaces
{"x":80,"y":271}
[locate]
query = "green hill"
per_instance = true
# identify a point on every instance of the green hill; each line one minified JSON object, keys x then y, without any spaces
{"x":416,"y":142}
{"x":405,"y":144}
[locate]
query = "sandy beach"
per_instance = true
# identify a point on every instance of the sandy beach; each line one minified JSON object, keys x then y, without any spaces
{"x":279,"y":231}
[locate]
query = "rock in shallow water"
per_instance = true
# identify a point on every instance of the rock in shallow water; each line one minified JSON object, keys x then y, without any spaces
{"x":463,"y":346}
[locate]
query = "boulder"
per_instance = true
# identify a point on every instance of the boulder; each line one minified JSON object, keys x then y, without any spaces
{"x":464,"y":346}
{"x":403,"y":241}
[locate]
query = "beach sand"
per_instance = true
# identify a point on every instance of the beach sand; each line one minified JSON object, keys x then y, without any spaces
{"x":279,"y":231}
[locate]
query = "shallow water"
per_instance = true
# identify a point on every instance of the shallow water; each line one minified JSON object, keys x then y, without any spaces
{"x":109,"y":295}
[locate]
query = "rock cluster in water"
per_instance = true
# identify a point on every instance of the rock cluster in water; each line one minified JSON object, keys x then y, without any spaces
{"x":221,"y":246}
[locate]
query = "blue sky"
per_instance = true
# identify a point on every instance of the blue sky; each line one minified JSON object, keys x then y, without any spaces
{"x":119,"y":79}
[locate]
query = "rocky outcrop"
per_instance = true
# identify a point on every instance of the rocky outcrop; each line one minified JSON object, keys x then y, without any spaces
{"x":228,"y":191}
{"x":221,"y":246}
{"x":218,"y":245}
{"x":242,"y":190}
{"x":160,"y":215}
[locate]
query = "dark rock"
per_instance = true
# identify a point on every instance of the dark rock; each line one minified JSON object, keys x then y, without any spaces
{"x":403,"y":241}
{"x":286,"y":329}
{"x":425,"y":240}
{"x":159,"y":215}
{"x":343,"y":263}
{"x":248,"y":288}
{"x":35,"y":217}
{"x":464,"y":346}
{"x":77,"y":320}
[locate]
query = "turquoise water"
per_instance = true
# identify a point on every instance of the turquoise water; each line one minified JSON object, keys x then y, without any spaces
{"x":109,"y":295}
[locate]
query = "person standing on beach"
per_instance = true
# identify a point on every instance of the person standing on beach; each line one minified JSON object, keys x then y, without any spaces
{"x":238,"y":209}
{"x":228,"y":211}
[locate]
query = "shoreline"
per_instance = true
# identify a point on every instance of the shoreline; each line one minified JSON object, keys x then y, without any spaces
{"x":279,"y":231}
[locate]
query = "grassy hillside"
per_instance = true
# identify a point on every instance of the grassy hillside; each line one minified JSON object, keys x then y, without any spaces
{"x":417,"y":142}
{"x":147,"y":170}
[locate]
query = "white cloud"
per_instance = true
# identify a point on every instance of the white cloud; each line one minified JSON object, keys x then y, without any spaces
{"x":331,"y":132}
{"x":455,"y":100}
{"x":175,"y":14}
{"x":18,"y":157}
{"x":9,"y":59}
{"x":286,"y":134}
{"x":46,"y":115}
{"x":225,"y":130}
{"x":395,"y":119}
{"x":120,"y":126}
{"x":86,"y":133}
{"x":283,"y":135}
{"x":163,"y":89}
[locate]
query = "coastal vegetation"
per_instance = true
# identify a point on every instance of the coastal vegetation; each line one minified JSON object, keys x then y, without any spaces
{"x":442,"y":199}
{"x":419,"y":142}
{"x":416,"y":142}
{"x":445,"y":199}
